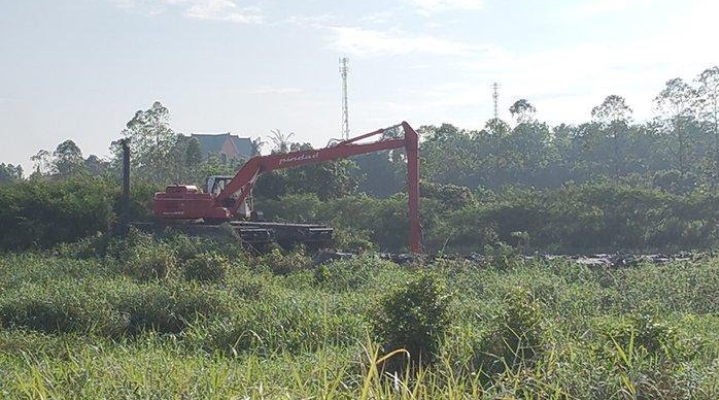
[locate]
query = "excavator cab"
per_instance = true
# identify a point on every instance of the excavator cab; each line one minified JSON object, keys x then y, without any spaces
{"x":217,"y":183}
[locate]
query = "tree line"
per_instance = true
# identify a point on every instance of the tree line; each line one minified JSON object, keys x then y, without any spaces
{"x":607,"y":183}
{"x":677,"y":151}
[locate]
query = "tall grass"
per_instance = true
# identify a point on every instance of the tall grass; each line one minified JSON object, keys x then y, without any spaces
{"x":83,"y":324}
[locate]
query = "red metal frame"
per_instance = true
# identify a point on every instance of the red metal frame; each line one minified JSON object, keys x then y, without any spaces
{"x":196,"y":205}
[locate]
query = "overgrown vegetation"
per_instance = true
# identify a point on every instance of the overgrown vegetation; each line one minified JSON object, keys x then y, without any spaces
{"x":41,"y":214}
{"x":576,"y":219}
{"x":86,"y":315}
{"x":76,"y":321}
{"x":414,"y":317}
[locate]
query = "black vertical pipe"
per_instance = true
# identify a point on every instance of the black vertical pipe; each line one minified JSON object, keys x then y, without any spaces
{"x":125,"y":201}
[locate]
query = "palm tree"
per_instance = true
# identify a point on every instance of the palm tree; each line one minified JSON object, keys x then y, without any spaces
{"x":257,"y":144}
{"x":280,"y":141}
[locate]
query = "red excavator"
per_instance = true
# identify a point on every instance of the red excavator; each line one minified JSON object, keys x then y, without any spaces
{"x":228,"y":199}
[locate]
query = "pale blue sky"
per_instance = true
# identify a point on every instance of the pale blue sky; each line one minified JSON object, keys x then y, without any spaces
{"x":79,"y":69}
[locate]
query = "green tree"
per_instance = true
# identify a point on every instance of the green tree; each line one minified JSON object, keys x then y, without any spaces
{"x":280,"y":141}
{"x":709,"y":96}
{"x":377,"y":174}
{"x":613,"y":115}
{"x":677,"y":104}
{"x":188,"y":152}
{"x":448,"y":155}
{"x":153,"y":144}
{"x":193,"y":153}
{"x":41,"y":164}
{"x":67,"y":159}
{"x":96,"y":166}
{"x":327,"y":180}
{"x":527,"y":152}
{"x":523,"y":110}
{"x":257,"y":144}
{"x":497,"y":127}
{"x":10,"y":173}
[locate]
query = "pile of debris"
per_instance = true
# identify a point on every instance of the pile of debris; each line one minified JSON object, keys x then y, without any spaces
{"x":617,"y":260}
{"x":626,"y":260}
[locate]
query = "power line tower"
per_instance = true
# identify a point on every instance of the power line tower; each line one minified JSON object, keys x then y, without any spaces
{"x":345,"y":108}
{"x":495,"y":98}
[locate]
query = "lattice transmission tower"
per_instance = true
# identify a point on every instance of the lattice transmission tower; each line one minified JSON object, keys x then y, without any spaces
{"x":495,"y":98}
{"x":345,"y":109}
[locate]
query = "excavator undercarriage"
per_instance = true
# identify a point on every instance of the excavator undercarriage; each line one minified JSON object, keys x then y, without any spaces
{"x":256,"y":236}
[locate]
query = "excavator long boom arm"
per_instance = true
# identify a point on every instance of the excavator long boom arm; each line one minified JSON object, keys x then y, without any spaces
{"x":246,"y":177}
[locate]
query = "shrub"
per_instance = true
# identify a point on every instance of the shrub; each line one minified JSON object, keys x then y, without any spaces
{"x":187,"y":247}
{"x":87,"y":248}
{"x":502,"y":256}
{"x":149,"y":262}
{"x":42,"y":214}
{"x":415,"y":318}
{"x":169,"y":309}
{"x":285,"y":264}
{"x":523,"y":323}
{"x":206,"y":267}
{"x":452,"y":196}
{"x":642,"y":333}
{"x":141,"y":257}
{"x":353,"y":273}
{"x":352,"y":240}
{"x":519,"y":334}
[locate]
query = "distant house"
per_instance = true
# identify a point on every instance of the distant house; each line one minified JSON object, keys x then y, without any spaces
{"x":225,"y":145}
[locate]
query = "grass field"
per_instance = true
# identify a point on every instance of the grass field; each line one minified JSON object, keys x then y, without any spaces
{"x":183,"y":319}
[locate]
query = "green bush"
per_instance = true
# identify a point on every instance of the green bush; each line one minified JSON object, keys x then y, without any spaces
{"x":187,"y":247}
{"x":42,"y":214}
{"x":453,"y":196}
{"x":284,"y":264}
{"x":598,"y":217}
{"x":353,"y":274}
{"x":643,"y":333}
{"x":87,"y":248}
{"x":148,"y":262}
{"x":352,"y":240}
{"x":141,"y":257}
{"x":518,"y":337}
{"x":206,"y":267}
{"x":415,"y":318}
{"x":169,"y":309}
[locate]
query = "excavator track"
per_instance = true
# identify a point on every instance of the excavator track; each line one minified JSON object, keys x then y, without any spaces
{"x":252,"y":235}
{"x":287,"y":235}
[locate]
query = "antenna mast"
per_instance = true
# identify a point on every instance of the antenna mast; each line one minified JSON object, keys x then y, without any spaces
{"x":345,"y":108}
{"x":495,"y":98}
